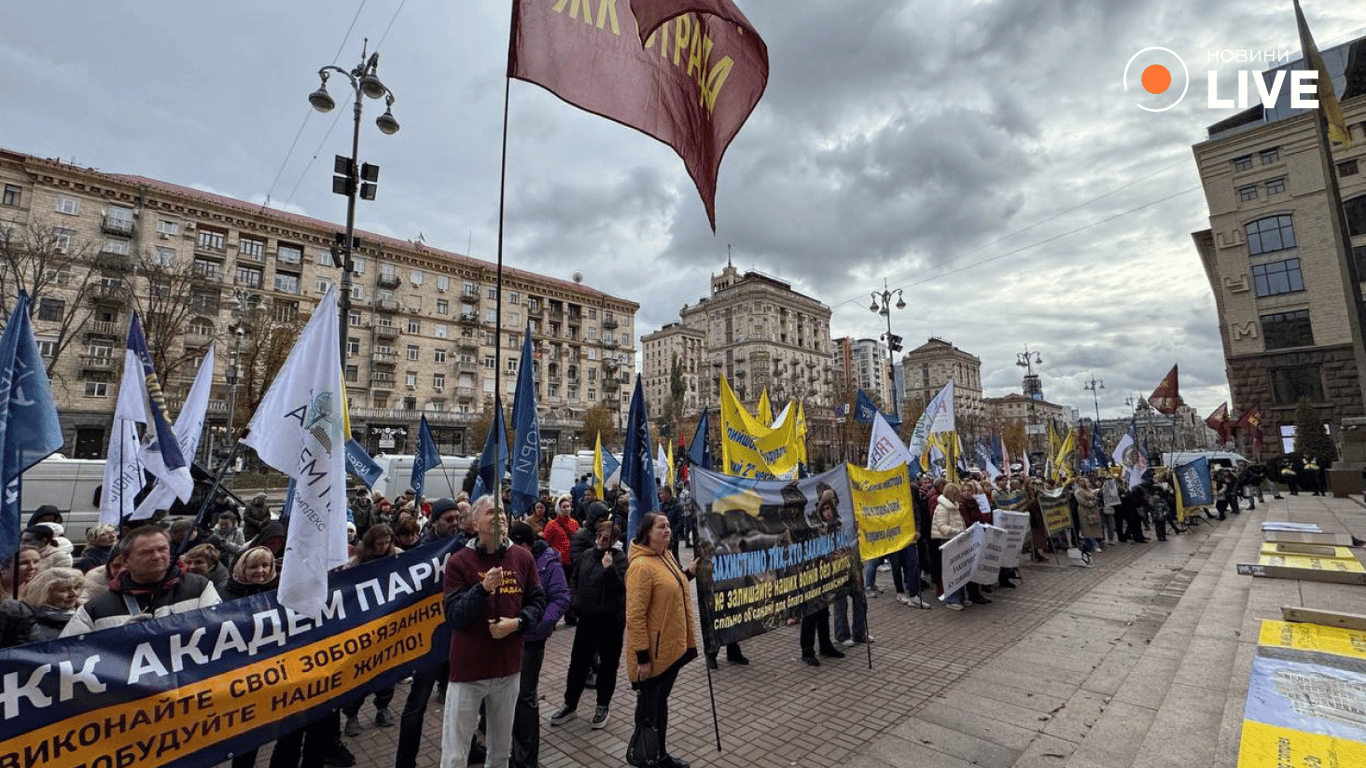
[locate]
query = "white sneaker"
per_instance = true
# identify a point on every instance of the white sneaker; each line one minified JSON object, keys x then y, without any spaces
{"x":1099,"y":550}
{"x":954,"y":606}
{"x":916,"y":602}
{"x":884,"y":567}
{"x":869,"y":640}
{"x":902,"y":598}
{"x":847,"y":642}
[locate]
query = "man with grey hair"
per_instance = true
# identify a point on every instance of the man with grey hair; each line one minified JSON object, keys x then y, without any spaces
{"x":493,"y":595}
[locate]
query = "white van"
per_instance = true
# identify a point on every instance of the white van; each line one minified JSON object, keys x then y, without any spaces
{"x":1218,"y":459}
{"x":567,"y":468}
{"x":70,"y":485}
{"x":442,"y":481}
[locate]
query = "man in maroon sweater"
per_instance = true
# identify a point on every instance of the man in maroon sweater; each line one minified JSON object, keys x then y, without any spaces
{"x":493,"y":595}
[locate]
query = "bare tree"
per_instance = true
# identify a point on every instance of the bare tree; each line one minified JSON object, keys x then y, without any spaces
{"x":673,"y":407}
{"x":48,"y":264}
{"x":169,"y":296}
{"x":268,"y":344}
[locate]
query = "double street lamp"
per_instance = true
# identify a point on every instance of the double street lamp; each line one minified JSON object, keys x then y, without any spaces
{"x":882,"y":304}
{"x":349,"y":179}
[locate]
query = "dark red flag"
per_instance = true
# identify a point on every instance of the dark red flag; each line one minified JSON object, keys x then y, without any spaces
{"x":1218,"y":421}
{"x":687,"y":72}
{"x":1167,"y":396}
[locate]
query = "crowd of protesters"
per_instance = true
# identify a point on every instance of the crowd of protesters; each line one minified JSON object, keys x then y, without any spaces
{"x":564,"y":561}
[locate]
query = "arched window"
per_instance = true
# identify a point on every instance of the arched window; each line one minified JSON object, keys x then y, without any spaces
{"x":1274,"y":233}
{"x":201,"y":326}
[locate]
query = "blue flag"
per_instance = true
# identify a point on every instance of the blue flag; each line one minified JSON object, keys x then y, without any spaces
{"x":609,"y":464}
{"x":526,"y":454}
{"x":359,"y":463}
{"x":1098,"y":447}
{"x":1196,"y":488}
{"x":494,"y":459}
{"x":699,"y":450}
{"x":638,"y":466}
{"x":29,"y":430}
{"x":864,"y":410}
{"x":427,"y":457}
{"x":160,"y":454}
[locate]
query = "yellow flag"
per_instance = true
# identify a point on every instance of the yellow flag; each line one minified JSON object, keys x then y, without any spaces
{"x":801,"y":435}
{"x":1328,"y":100}
{"x":764,"y":413}
{"x":599,"y":482}
{"x":751,"y":449}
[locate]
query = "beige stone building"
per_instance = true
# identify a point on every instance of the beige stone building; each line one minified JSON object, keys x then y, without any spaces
{"x":420,"y":335}
{"x":760,"y":334}
{"x":1271,"y":259}
{"x":658,"y":351}
{"x":933,"y":364}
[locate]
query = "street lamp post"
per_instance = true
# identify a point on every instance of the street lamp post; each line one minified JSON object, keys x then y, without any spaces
{"x":1028,"y":360}
{"x":1095,"y":385}
{"x":243,"y":305}
{"x":882,"y":304}
{"x":351,"y":179}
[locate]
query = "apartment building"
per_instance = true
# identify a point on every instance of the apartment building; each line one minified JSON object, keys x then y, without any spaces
{"x":420,"y":333}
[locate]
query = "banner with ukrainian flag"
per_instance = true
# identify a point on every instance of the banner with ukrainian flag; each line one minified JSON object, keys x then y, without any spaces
{"x":882,"y":509}
{"x":751,"y":449}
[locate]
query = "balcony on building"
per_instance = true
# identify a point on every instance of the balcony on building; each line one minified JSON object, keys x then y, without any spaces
{"x":464,"y":394}
{"x":609,"y":324}
{"x":469,"y":297}
{"x":380,"y":380}
{"x":611,"y":382}
{"x":466,"y":366}
{"x":465,"y":342}
{"x":111,"y":225}
{"x":386,"y":305}
{"x":198,"y":339}
{"x":102,"y":328}
{"x":536,"y":310}
{"x":97,"y":363}
{"x":386,"y":331}
{"x":389,"y":359}
{"x":112,"y":292}
{"x":388,"y":280}
{"x":612,"y":344}
{"x":469,"y":318}
{"x":113,"y":262}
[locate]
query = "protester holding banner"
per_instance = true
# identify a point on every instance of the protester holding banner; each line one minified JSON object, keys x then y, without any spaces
{"x":526,"y":721}
{"x":599,"y":579}
{"x":493,"y":595}
{"x":947,"y":523}
{"x":152,"y":586}
{"x":377,"y":542}
{"x":661,"y":636}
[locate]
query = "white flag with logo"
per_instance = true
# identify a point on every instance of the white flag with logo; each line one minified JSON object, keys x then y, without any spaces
{"x":885,"y":449}
{"x":189,"y":425}
{"x":300,"y":429}
{"x":938,"y":417}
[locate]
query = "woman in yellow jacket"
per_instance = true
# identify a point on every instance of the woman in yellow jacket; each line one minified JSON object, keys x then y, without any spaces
{"x":660,"y":636}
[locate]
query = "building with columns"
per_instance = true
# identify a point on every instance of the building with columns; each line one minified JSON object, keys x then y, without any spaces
{"x":420,"y":335}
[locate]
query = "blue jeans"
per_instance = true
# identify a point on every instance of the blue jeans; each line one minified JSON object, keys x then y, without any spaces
{"x":906,"y":570}
{"x":860,"y":618}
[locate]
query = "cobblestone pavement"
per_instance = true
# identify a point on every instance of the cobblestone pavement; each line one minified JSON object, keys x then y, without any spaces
{"x":779,"y":713}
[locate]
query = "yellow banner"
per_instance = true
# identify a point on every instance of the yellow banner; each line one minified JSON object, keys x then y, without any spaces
{"x":882,"y":509}
{"x":751,"y":449}
{"x":1317,"y":638}
{"x":1311,"y":563}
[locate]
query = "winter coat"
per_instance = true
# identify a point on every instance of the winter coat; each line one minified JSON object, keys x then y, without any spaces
{"x":947,"y":521}
{"x":48,"y":622}
{"x":176,"y":593}
{"x":256,"y":517}
{"x":1088,"y":513}
{"x":93,"y":557}
{"x":474,"y":653}
{"x":587,"y":533}
{"x":16,"y":623}
{"x":599,"y":590}
{"x":556,"y":591}
{"x":559,"y":533}
{"x":660,"y":627}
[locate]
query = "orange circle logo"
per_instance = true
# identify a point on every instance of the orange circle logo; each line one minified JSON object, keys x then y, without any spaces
{"x":1156,"y":79}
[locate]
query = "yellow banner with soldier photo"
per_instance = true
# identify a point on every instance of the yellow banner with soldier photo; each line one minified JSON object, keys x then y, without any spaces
{"x":883,"y":511}
{"x":194,"y":689}
{"x":770,"y":550}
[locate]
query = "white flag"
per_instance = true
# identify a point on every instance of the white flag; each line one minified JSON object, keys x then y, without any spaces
{"x":1128,"y":456}
{"x":189,"y":426}
{"x":938,"y":417}
{"x":664,"y":472}
{"x":122,"y":473}
{"x":300,"y":429}
{"x":885,"y":449}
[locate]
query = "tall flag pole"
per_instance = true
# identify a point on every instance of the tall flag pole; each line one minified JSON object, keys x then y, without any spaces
{"x":526,"y":454}
{"x":493,"y":462}
{"x":29,"y":429}
{"x":425,"y":459}
{"x":690,"y":80}
{"x":300,"y":429}
{"x":699,"y":450}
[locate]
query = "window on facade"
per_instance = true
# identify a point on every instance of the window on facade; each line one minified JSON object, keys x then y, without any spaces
{"x":415,"y":277}
{"x":410,"y":378}
{"x":515,"y":318}
{"x":205,"y":268}
{"x":247,"y":276}
{"x":286,"y":283}
{"x":120,"y":247}
{"x":414,"y":326}
{"x":47,"y":348}
{"x":1347,"y":167}
{"x":1287,"y":329}
{"x":439,"y":356}
{"x":1274,"y":233}
{"x":284,"y":311}
{"x":168,"y":227}
{"x":166,"y":257}
{"x":353,"y":317}
{"x":290,"y":254}
{"x":1275,"y":186}
{"x":443,"y":282}
{"x":63,"y":239}
{"x":97,"y":389}
{"x":490,"y":362}
{"x":204,"y":300}
{"x":1269,"y":156}
{"x":413,"y":352}
{"x":1278,"y":277}
{"x":490,"y":316}
{"x":210,"y":239}
{"x":1356,"y":215}
{"x":1247,"y":193}
{"x":441,"y":330}
{"x":1243,"y":163}
{"x":352,"y":374}
{"x":438,"y":381}
{"x":201,"y":326}
{"x":443,"y":307}
{"x":14,"y":194}
{"x":68,"y":205}
{"x":1290,"y":385}
{"x":251,"y":248}
{"x":514,"y":297}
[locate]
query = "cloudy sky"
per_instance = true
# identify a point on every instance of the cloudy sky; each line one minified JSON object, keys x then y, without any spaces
{"x":982,"y":156}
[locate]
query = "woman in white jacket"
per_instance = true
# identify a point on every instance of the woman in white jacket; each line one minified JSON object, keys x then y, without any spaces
{"x":946,"y":524}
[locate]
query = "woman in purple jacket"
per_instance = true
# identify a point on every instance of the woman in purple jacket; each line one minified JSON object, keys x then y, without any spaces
{"x":526,"y":722}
